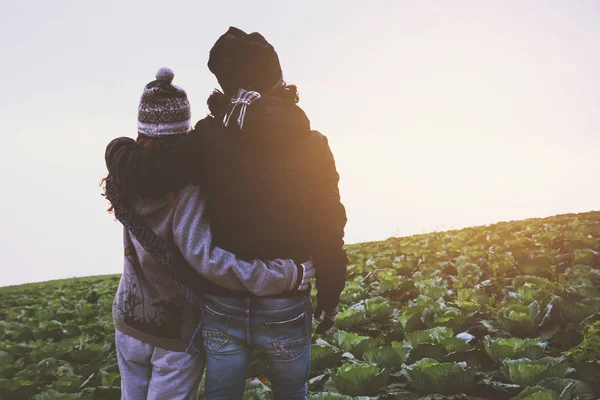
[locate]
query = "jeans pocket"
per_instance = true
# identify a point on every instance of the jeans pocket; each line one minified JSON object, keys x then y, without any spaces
{"x":289,"y":338}
{"x":214,"y":329}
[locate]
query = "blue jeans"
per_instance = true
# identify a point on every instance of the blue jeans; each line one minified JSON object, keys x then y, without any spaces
{"x":279,"y":328}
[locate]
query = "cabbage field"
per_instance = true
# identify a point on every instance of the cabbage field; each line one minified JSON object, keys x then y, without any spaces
{"x":507,"y":311}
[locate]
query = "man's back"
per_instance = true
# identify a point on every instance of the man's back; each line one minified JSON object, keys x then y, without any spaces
{"x":272,"y":188}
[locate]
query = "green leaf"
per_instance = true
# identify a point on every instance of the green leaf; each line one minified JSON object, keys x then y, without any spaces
{"x":323,"y":357}
{"x":433,"y":335}
{"x":569,"y":389}
{"x":589,"y":348}
{"x":389,"y":282}
{"x":520,"y":320}
{"x":528,"y":372}
{"x":499,"y":348}
{"x":347,"y":341}
{"x":378,"y":309}
{"x":431,"y":376}
{"x":85,"y":310}
{"x":497,"y":390}
{"x":353,"y":291}
{"x":49,"y":330}
{"x":110,"y":378}
{"x":433,"y":287}
{"x":54,"y":395}
{"x":537,"y":393}
{"x":68,"y":383}
{"x":88,"y":352}
{"x":589,"y":372}
{"x":352,"y":317}
{"x":256,"y":390}
{"x":365,"y":345}
{"x":585,"y":257}
{"x":452,"y":345}
{"x":384,"y":262}
{"x":359,"y":379}
{"x":469,"y":274}
{"x":19,"y":387}
{"x":427,"y":350}
{"x":576,"y":312}
{"x":410,"y":319}
{"x":328,"y":396}
{"x":390,"y":358}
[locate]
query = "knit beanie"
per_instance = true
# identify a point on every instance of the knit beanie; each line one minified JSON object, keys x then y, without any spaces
{"x":164,"y":108}
{"x":244,"y":61}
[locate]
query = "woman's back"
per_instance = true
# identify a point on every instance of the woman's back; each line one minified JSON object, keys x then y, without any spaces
{"x":149,"y":303}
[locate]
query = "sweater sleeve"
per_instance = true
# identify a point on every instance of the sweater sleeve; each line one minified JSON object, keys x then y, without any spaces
{"x":117,"y":156}
{"x":327,"y":231}
{"x":192,"y":235}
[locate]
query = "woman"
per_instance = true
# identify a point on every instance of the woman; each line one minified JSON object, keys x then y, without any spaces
{"x":167,"y":242}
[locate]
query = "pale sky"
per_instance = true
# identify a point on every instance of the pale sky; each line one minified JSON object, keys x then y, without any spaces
{"x":441,"y":114}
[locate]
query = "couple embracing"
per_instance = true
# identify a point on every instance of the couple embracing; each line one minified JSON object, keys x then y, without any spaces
{"x":225,"y":225}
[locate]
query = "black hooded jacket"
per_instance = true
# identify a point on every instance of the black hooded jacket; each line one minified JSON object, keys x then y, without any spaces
{"x":273,"y":191}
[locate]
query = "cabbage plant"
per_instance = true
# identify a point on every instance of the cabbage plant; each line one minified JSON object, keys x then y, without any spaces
{"x":323,"y":355}
{"x":431,"y":376}
{"x":353,"y":343}
{"x":559,"y":389}
{"x":500,"y":348}
{"x":390,"y":358}
{"x":520,"y":320}
{"x":526,"y":372}
{"x":359,"y":379}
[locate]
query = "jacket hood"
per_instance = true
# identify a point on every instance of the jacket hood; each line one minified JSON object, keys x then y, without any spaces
{"x":242,"y":60}
{"x":147,"y":207}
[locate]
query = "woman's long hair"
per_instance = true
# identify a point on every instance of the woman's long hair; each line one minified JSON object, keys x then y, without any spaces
{"x":156,"y":168}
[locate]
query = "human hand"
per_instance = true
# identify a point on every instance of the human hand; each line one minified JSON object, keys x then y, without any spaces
{"x":308,"y":272}
{"x":329,"y":318}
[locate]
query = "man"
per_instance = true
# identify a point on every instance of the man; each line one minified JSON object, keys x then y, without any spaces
{"x":272,"y":192}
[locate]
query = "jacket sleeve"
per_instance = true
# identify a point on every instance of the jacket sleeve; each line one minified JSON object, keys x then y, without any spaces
{"x":192,"y":235}
{"x":117,"y":157}
{"x":132,"y":168}
{"x":327,"y":230}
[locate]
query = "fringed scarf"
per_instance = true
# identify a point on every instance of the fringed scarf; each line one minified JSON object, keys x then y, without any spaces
{"x":239,"y":106}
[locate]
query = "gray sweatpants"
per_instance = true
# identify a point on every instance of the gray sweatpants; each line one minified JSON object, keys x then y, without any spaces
{"x":152,"y":373}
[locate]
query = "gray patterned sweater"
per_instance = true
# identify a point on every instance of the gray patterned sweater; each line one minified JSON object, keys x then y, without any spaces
{"x":149,"y":305}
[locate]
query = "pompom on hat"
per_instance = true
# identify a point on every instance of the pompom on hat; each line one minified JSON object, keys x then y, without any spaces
{"x":164,"y":108}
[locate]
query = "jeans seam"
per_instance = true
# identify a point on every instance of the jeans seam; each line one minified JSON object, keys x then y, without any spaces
{"x":247,"y":322}
{"x":219,"y":347}
{"x":197,"y":331}
{"x":286,"y":321}
{"x":216,"y":312}
{"x":297,"y":356}
{"x":223,"y":334}
{"x":229,"y":307}
{"x":280,"y":310}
